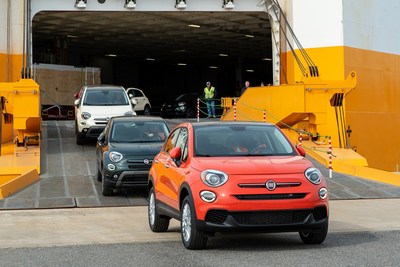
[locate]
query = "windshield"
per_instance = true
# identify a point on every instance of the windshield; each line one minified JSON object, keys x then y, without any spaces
{"x":105,"y":97}
{"x":139,"y":132}
{"x":241,"y":140}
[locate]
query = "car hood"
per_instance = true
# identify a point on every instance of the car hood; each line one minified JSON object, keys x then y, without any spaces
{"x":253,"y":165}
{"x":136,"y":149}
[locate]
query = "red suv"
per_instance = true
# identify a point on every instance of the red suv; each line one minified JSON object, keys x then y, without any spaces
{"x":235,"y":176}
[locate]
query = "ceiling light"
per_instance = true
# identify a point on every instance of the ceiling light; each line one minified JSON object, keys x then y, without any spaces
{"x":150,"y":59}
{"x":249,"y":35}
{"x":181,"y":64}
{"x":223,"y":55}
{"x":213,"y":67}
{"x":250,"y":70}
{"x":267,"y":59}
{"x":194,"y":26}
{"x":130,"y":4}
{"x":110,"y":55}
{"x":72,"y":36}
{"x":228,"y":4}
{"x":180,"y":4}
{"x":81,"y":4}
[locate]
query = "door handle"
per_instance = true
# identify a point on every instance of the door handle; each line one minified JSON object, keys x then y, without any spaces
{"x":167,"y":165}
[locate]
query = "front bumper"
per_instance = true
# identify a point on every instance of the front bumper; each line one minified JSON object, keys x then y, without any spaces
{"x":265,"y":221}
{"x":126,"y":178}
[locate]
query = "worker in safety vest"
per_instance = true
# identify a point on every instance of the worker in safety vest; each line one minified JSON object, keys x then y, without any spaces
{"x":209,"y":94}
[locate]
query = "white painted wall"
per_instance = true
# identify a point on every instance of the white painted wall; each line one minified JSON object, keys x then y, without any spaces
{"x":372,"y":25}
{"x":316,"y":23}
{"x":144,"y":5}
{"x":15,"y":25}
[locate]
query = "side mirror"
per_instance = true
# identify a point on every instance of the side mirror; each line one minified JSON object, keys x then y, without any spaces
{"x":76,"y":95}
{"x":301,"y":151}
{"x":101,"y":139}
{"x":175,"y":153}
{"x":77,"y":101}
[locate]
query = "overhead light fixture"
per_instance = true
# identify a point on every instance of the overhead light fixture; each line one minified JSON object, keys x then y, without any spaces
{"x":130,"y":4}
{"x":81,"y":4}
{"x":150,"y":59}
{"x":249,"y":35}
{"x":194,"y":25}
{"x":267,"y":59}
{"x":228,"y":4}
{"x":180,"y":4}
{"x":111,"y":55}
{"x":72,"y":36}
{"x":213,"y":67}
{"x":181,"y":64}
{"x":223,"y":55}
{"x":250,"y":70}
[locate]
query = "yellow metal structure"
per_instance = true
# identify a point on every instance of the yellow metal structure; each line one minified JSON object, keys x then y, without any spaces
{"x":19,"y":135}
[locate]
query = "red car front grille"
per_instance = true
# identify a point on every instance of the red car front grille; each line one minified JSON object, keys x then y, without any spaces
{"x":270,"y":196}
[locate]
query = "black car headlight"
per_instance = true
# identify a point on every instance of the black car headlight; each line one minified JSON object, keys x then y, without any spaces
{"x":313,"y":175}
{"x":214,"y":178}
{"x":115,"y":156}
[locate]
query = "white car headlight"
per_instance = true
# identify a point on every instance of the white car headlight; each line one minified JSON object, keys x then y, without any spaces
{"x":214,"y":178}
{"x":115,"y":156}
{"x":85,"y":115}
{"x":313,"y":175}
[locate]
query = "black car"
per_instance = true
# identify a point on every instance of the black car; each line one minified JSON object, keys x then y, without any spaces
{"x":183,"y":106}
{"x":125,"y":151}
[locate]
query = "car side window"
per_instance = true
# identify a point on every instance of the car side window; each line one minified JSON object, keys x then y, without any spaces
{"x":171,"y":141}
{"x":138,"y":93}
{"x":182,"y":142}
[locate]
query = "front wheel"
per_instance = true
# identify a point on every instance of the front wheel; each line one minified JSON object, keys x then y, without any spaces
{"x":314,"y":237}
{"x":190,"y":113}
{"x":99,"y":175}
{"x":106,"y":190}
{"x":157,"y":222}
{"x":191,"y":237}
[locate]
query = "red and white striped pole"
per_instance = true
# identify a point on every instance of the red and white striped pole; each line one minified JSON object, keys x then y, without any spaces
{"x":300,"y":138}
{"x":198,"y":109}
{"x":330,"y":157}
{"x":264,"y":116}
{"x":234,"y":109}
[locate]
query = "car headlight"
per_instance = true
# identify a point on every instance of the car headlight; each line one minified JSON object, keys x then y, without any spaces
{"x":181,"y":104}
{"x":115,"y":156}
{"x":313,"y":175}
{"x":214,"y":178}
{"x":85,"y":115}
{"x":128,"y":113}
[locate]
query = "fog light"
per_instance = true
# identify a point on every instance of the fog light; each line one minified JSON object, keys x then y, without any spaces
{"x":208,"y":196}
{"x":323,"y":193}
{"x":83,"y":123}
{"x":111,"y":167}
{"x":115,"y":176}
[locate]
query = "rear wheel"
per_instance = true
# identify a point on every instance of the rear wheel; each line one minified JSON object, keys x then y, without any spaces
{"x":314,"y":237}
{"x":157,"y":222}
{"x":191,"y":237}
{"x":190,"y":113}
{"x":146,"y":110}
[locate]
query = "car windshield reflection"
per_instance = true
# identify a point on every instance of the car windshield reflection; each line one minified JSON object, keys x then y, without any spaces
{"x":239,"y":140}
{"x":138,"y":132}
{"x":105,"y":97}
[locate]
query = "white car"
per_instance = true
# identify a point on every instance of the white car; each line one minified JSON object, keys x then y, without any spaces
{"x":142,"y":102}
{"x":95,"y":105}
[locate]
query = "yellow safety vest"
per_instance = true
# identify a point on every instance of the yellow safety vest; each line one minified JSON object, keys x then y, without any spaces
{"x":209,"y":93}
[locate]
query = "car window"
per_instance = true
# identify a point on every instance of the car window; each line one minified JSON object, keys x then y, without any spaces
{"x":182,"y":142}
{"x":239,"y":140}
{"x":138,"y":93}
{"x":139,"y":132}
{"x":171,"y":141}
{"x":105,"y":97}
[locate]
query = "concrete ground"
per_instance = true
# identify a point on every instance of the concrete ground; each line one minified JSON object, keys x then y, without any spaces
{"x":84,"y":226}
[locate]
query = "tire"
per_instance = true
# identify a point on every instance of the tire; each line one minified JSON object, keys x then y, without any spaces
{"x":99,"y":175}
{"x":314,"y":237}
{"x":191,"y":237}
{"x":190,"y":113}
{"x":80,"y":139}
{"x":146,"y":110}
{"x":105,"y":189}
{"x":157,"y":222}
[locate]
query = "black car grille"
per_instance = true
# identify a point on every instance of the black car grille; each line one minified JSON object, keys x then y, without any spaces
{"x":266,"y":217}
{"x":139,"y":165}
{"x":135,"y":179}
{"x":270,"y":196}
